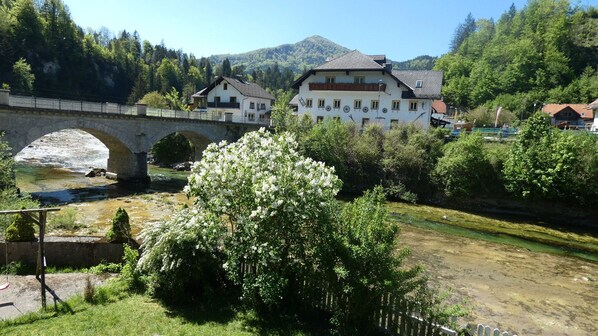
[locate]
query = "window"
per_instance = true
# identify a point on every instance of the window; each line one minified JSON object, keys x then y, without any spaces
{"x":263,"y":106}
{"x":359,"y":79}
{"x":419,"y":84}
{"x":319,"y":119}
{"x":308,"y":102}
{"x":374,"y":105}
{"x":233,"y":100}
{"x":225,"y":86}
{"x":365,"y":121}
{"x":262,"y":117}
{"x":396,"y":105}
{"x":251,"y":116}
{"x":357,"y":104}
{"x":337,"y":103}
{"x":330,"y":79}
{"x":394,"y":123}
{"x":412,"y":105}
{"x":252,"y":105}
{"x":321,"y":103}
{"x":336,"y":118}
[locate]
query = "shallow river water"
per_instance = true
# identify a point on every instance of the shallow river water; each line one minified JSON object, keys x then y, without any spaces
{"x":512,"y":287}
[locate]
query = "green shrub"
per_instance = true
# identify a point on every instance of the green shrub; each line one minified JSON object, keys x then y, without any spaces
{"x":65,"y":219}
{"x":465,"y":169}
{"x":129,"y":272}
{"x":20,"y":230}
{"x":121,"y":229}
{"x":369,"y":264}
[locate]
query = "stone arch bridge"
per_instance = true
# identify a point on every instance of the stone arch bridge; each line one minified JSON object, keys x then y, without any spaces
{"x":129,"y":132}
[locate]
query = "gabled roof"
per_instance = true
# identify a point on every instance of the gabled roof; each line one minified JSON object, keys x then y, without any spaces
{"x":247,"y":89}
{"x":581,"y":109}
{"x":353,"y":60}
{"x":593,"y":105}
{"x":431,"y":83}
{"x":356,"y":61}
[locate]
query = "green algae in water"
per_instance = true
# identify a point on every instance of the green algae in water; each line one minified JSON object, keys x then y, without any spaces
{"x":574,"y":249}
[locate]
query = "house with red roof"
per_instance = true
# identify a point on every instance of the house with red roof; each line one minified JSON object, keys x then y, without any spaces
{"x":570,"y":116}
{"x":365,"y":89}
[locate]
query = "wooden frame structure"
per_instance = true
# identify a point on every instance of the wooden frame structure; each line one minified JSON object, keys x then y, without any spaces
{"x":40,"y":270}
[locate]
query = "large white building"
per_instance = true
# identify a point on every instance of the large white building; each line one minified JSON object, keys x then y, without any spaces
{"x":364,"y":89}
{"x":234,"y":99}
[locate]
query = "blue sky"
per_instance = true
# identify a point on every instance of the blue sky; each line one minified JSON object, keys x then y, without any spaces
{"x":398,"y":28}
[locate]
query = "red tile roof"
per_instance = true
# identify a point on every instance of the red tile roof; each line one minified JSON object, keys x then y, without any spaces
{"x":439,"y":106}
{"x":581,"y":109}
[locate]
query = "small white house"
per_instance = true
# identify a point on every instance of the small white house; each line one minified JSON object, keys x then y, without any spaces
{"x":364,"y":89}
{"x":233,"y":99}
{"x":594,"y":107}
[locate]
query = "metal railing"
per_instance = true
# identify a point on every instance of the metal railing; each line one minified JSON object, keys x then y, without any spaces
{"x":114,"y":108}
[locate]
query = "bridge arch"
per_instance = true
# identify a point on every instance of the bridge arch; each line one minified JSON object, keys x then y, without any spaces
{"x":123,"y":158}
{"x":200,"y":139}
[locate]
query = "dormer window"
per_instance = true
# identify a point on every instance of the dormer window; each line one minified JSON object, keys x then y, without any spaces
{"x":419,"y":84}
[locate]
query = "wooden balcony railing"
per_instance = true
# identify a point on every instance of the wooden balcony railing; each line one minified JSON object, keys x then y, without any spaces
{"x":224,"y":105}
{"x":347,"y":87}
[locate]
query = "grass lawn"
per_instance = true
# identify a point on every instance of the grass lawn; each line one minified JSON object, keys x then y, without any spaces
{"x":121,"y":313}
{"x":134,"y":315}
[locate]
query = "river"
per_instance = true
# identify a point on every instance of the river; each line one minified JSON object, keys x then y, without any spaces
{"x":517,"y":287}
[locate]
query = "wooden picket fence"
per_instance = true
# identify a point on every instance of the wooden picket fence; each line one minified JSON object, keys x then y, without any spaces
{"x":488,"y":331}
{"x":394,"y":316}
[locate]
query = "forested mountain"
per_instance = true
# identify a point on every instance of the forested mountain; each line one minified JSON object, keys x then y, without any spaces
{"x":424,"y":62}
{"x":546,"y":52}
{"x":300,"y":56}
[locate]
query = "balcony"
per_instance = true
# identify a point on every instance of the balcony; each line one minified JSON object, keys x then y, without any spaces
{"x":224,"y":105}
{"x":347,"y":87}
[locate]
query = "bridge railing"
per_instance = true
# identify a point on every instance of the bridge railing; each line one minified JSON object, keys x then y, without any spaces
{"x":113,"y":108}
{"x":70,"y":105}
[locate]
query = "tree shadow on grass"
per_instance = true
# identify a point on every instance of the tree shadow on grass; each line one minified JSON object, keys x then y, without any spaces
{"x":301,"y":322}
{"x":227,"y":308}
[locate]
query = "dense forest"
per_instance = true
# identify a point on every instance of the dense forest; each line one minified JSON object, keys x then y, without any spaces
{"x":546,"y":52}
{"x":44,"y":52}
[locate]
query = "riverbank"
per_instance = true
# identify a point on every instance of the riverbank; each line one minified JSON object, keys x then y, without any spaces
{"x":570,"y":239}
{"x":524,"y":292}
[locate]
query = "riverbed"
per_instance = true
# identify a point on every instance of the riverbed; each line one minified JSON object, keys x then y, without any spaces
{"x":516,"y":288}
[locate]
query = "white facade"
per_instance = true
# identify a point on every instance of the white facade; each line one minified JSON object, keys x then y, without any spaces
{"x":595,"y":124}
{"x":224,"y":101}
{"x":359,"y":105}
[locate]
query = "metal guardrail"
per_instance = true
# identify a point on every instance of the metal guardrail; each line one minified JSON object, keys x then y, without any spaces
{"x":113,"y":108}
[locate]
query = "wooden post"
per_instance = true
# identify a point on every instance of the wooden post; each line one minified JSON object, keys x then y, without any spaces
{"x":42,"y":229}
{"x":40,"y":272}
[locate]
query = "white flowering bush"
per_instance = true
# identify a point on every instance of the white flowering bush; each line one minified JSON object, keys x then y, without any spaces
{"x":183,"y":255}
{"x":276,"y":205}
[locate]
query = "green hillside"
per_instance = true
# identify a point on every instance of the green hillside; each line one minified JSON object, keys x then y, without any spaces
{"x":305,"y":54}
